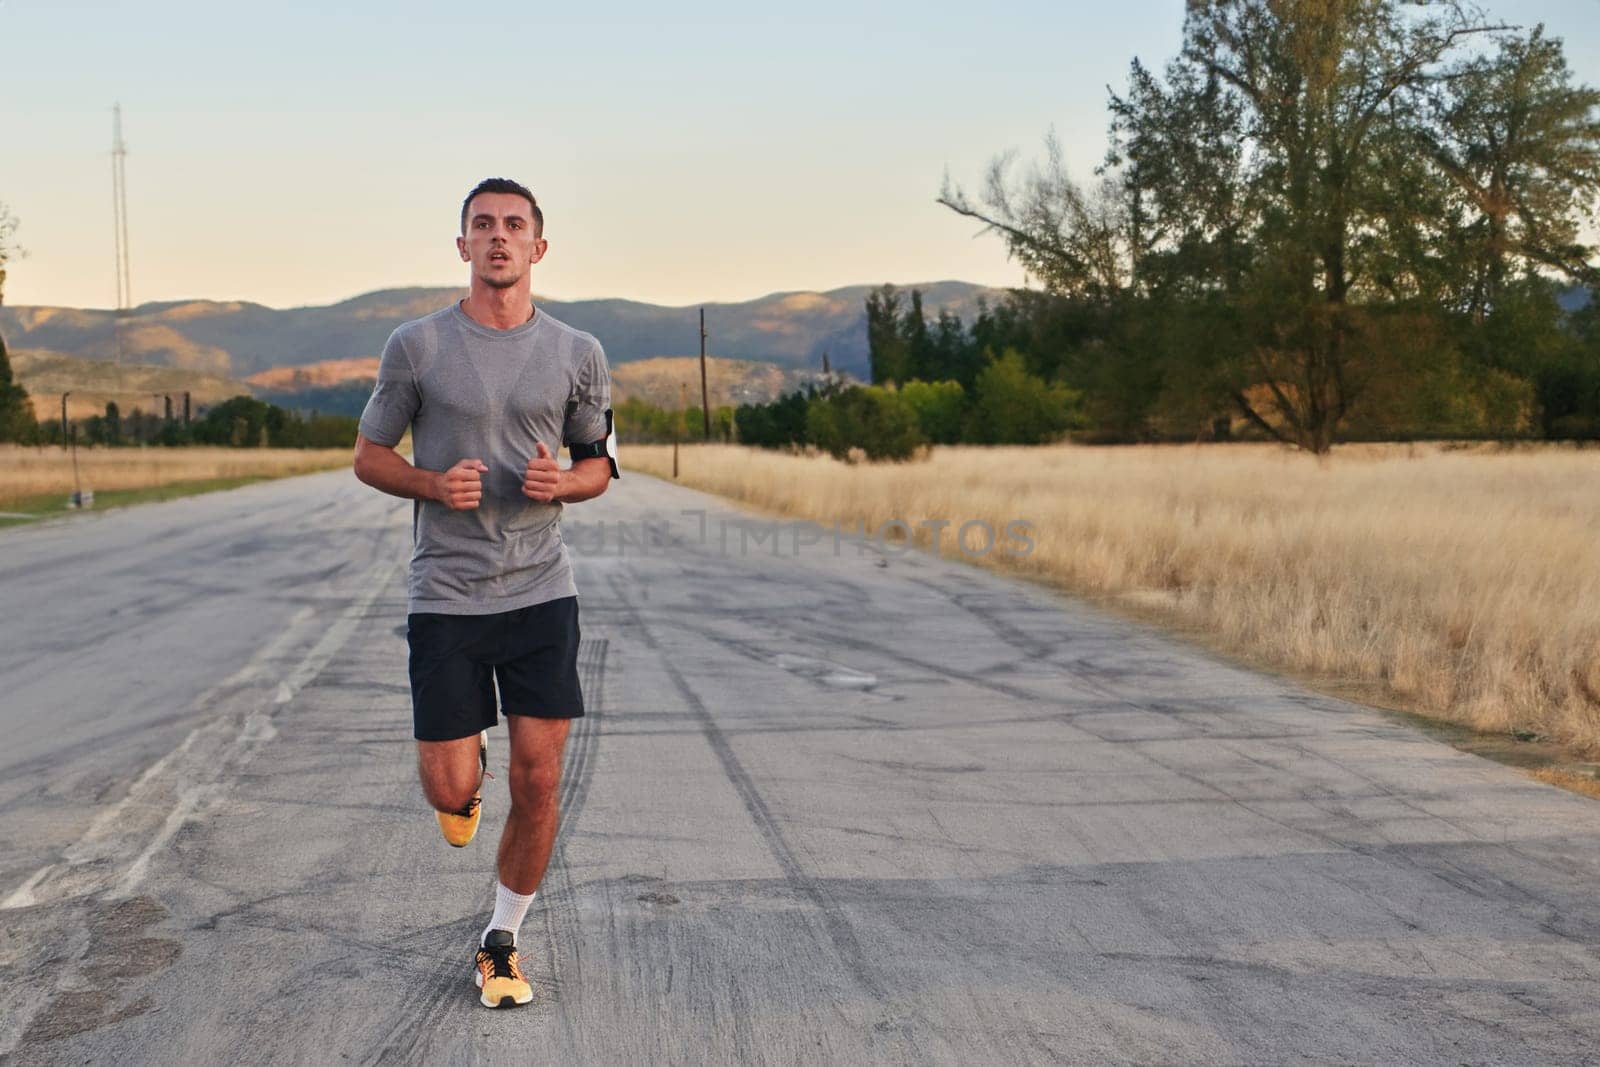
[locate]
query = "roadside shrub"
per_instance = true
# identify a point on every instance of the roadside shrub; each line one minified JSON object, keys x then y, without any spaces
{"x":940,"y":407}
{"x":879,"y":421}
{"x":1012,"y":407}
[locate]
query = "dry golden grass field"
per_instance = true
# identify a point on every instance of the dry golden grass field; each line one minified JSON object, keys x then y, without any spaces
{"x":1462,"y":582}
{"x":34,"y":472}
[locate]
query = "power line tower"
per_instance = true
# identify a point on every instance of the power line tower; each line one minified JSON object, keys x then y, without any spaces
{"x":119,"y":223}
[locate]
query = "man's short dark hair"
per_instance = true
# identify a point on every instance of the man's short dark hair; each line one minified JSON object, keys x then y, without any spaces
{"x":504,"y":185}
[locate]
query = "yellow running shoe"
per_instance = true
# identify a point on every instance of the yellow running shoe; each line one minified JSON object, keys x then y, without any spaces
{"x":499,"y":974}
{"x":459,"y":827}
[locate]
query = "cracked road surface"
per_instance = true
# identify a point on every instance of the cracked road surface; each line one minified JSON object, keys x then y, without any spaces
{"x":836,"y":806}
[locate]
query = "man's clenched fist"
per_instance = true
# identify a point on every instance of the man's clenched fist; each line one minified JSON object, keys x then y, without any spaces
{"x":539,"y":480}
{"x":461,"y":487}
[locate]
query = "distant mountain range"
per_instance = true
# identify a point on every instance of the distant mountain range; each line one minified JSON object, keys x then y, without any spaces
{"x":342,"y":386}
{"x":325,"y":358}
{"x":239,"y":340}
{"x":47,"y":375}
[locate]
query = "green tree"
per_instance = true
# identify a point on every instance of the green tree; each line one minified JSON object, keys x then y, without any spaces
{"x":693,"y":423}
{"x":1521,"y":146}
{"x":1569,"y":391}
{"x":826,"y":427}
{"x":1011,"y":406}
{"x":9,"y":248}
{"x":111,"y":425}
{"x":722,"y":423}
{"x":940,"y":408}
{"x":1302,"y":168}
{"x":919,"y":343}
{"x":17,"y":422}
{"x":890,"y":355}
{"x":781,"y":423}
{"x":246,"y":422}
{"x":1436,"y":388}
{"x":238,"y":422}
{"x":903,"y":347}
{"x":877,"y":420}
{"x":640,"y":420}
{"x":1075,"y":242}
{"x":952,"y":349}
{"x":886,"y":425}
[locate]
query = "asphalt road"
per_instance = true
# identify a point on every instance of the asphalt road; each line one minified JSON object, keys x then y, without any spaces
{"x":830,"y":805}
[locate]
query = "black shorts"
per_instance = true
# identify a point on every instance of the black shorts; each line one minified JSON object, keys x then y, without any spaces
{"x":457,"y":659}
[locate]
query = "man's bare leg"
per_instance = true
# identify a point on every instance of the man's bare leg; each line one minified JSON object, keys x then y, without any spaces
{"x":450,"y":772}
{"x":530,"y":832}
{"x":525,"y":846}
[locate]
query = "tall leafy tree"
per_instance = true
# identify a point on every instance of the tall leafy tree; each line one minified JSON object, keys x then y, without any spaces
{"x":1011,"y":406}
{"x":918,"y":339}
{"x":1318,"y":89}
{"x":1303,"y":187}
{"x":1520,"y":143}
{"x":17,"y":421}
{"x":888,"y":351}
{"x":875,"y":419}
{"x":1074,"y":241}
{"x":9,"y":249}
{"x":16,"y":410}
{"x":940,"y":407}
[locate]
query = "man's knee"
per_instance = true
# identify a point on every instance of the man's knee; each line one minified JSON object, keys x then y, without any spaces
{"x":534,"y":782}
{"x":448,"y":795}
{"x":449,"y":777}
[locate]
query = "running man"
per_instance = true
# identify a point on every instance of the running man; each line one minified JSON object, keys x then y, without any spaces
{"x":490,"y":388}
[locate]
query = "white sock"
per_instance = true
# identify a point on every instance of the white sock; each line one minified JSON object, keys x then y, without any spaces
{"x":509,"y":908}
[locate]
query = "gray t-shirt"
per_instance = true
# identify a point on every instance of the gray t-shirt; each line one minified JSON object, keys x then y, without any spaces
{"x":471,"y":392}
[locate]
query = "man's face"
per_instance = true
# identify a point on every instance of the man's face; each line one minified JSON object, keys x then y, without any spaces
{"x":499,"y":242}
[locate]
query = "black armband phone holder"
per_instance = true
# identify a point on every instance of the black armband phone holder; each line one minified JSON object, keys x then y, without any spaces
{"x":595,"y":449}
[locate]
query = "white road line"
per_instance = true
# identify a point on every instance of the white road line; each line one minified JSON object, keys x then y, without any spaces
{"x":257,"y":727}
{"x":200,"y":773}
{"x":22,"y":896}
{"x":243,"y":676}
{"x":254,"y":729}
{"x":188,"y":801}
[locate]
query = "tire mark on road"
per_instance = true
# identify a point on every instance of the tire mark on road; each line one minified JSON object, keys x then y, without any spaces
{"x":836,"y":927}
{"x":585,"y":736}
{"x":1107,"y":685}
{"x":559,"y":914}
{"x":428,"y":1001}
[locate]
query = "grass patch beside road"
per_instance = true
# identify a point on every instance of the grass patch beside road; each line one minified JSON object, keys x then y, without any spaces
{"x":43,"y":507}
{"x":35,"y":482}
{"x":28,"y":473}
{"x":1462,"y":583}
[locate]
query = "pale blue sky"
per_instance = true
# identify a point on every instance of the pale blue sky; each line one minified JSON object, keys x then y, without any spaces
{"x":296,"y":153}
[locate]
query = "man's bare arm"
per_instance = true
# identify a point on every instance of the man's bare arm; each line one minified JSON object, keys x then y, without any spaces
{"x":584,"y":480}
{"x":543,"y":480}
{"x":459,"y":488}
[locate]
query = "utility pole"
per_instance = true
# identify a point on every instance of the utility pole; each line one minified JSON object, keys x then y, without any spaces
{"x":78,"y":499}
{"x":69,"y":438}
{"x":677,"y":424}
{"x":119,"y":224}
{"x":705,"y":399}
